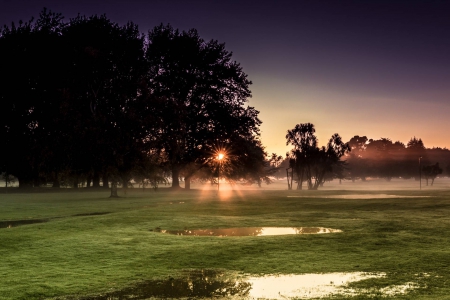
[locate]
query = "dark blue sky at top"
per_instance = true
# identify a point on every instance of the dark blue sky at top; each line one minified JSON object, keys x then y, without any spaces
{"x":393,"y":49}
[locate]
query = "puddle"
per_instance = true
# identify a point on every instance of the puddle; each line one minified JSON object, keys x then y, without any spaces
{"x":399,"y":289}
{"x":196,"y":284}
{"x":218,"y":284}
{"x":360,"y":196}
{"x":15,"y":223}
{"x":305,"y":286}
{"x":252,"y":231}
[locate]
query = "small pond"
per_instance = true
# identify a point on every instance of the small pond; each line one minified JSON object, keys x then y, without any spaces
{"x":252,"y":231}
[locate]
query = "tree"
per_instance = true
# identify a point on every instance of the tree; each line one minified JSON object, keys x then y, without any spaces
{"x":356,"y":158}
{"x":308,"y":160}
{"x":31,"y":64}
{"x":431,"y":172}
{"x":104,"y":119}
{"x":275,"y":162}
{"x":248,"y":163}
{"x":385,"y":159}
{"x":325,"y":160}
{"x":202,"y":94}
{"x":304,"y":140}
{"x":414,"y":149}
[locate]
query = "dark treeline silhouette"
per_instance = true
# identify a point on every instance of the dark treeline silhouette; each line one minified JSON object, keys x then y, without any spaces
{"x":358,"y":159}
{"x":386,"y":159}
{"x":88,"y":100}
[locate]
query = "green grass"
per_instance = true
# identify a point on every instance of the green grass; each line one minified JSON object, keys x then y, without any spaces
{"x":86,"y":255}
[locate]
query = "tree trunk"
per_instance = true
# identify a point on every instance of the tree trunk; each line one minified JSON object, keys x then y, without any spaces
{"x":56,"y":182}
{"x":114,"y":190}
{"x":175,"y":176}
{"x":75,"y":182}
{"x":96,"y":180}
{"x":36,"y":182}
{"x":105,"y":181}
{"x":125,"y":181}
{"x":187,"y":182}
{"x":288,"y":179}
{"x":25,"y":182}
{"x":300,"y":180}
{"x":88,"y":181}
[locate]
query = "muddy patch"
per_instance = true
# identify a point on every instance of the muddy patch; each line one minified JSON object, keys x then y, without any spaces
{"x":15,"y":223}
{"x":251,"y":231}
{"x":92,"y":214}
{"x":202,"y":284}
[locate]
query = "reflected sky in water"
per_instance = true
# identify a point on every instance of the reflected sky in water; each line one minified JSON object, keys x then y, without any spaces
{"x":196,"y":284}
{"x":201,"y":284}
{"x":252,"y":231}
{"x":304,"y":286}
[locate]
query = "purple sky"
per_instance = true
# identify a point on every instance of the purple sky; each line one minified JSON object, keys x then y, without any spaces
{"x":374,"y":68}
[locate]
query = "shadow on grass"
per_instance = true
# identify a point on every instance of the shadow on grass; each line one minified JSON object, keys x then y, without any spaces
{"x":15,"y":223}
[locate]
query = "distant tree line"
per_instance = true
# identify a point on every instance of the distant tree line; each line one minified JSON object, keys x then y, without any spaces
{"x":89,"y":100}
{"x":358,"y":159}
{"x":386,"y":159}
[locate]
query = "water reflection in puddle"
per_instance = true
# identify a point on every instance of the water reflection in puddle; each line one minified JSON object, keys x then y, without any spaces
{"x":304,"y":286}
{"x":218,"y":285}
{"x":252,"y":231}
{"x":195,"y":285}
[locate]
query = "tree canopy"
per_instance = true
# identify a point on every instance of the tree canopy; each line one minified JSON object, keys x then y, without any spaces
{"x":90,"y":98}
{"x":204,"y":94}
{"x":310,"y":162}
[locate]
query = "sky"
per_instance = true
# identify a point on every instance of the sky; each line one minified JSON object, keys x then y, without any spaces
{"x":368,"y":67}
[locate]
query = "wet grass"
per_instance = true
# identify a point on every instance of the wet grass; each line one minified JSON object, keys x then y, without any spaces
{"x":82,"y":252}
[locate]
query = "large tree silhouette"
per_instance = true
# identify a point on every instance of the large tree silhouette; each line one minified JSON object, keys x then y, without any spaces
{"x":310,"y":162}
{"x":105,"y":70}
{"x":203,"y":95}
{"x":91,"y":97}
{"x":31,"y":64}
{"x":304,"y":140}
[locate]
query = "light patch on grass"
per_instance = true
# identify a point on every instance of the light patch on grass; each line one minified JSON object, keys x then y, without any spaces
{"x":360,"y":196}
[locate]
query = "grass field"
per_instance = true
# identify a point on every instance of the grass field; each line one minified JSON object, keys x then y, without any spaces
{"x":91,"y":244}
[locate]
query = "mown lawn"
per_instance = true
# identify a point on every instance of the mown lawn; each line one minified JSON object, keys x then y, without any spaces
{"x":74,"y":254}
